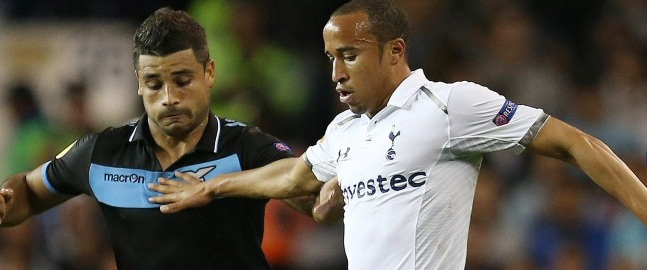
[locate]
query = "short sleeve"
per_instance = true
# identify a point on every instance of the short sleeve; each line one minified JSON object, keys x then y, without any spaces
{"x":482,"y":121}
{"x":261,"y":149}
{"x":68,"y":172}
{"x":321,"y":156}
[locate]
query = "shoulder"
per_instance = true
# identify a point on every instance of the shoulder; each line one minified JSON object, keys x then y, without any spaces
{"x":469,"y":90}
{"x":112,"y":138}
{"x":344,"y":118}
{"x":229,"y":128}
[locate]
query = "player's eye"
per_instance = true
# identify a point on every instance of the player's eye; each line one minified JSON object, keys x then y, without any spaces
{"x":154,"y":85}
{"x":350,"y":57}
{"x":183,"y":82}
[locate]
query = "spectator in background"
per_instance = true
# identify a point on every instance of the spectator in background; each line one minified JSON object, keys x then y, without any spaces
{"x":30,"y":145}
{"x":261,"y":83}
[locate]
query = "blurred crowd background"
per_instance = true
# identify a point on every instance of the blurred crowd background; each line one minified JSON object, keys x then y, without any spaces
{"x":66,"y":70}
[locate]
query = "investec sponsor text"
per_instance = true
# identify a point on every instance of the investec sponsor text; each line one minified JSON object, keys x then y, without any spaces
{"x":383,"y":184}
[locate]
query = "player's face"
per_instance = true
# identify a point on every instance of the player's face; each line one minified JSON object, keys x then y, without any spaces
{"x":360,"y":74}
{"x":175,"y":90}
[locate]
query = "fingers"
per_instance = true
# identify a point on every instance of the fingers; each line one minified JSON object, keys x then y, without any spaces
{"x":165,"y":185}
{"x":188,"y":177}
{"x":170,"y":208}
{"x":7,"y":195}
{"x":178,"y":206}
{"x":6,"y":192}
{"x":168,"y":198}
{"x":5,"y":199}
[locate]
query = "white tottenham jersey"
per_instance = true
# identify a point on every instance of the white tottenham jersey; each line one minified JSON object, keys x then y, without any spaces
{"x":408,"y":174}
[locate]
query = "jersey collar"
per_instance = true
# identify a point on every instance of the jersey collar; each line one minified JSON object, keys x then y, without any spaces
{"x":401,"y":95}
{"x":208,"y":142}
{"x":408,"y":88}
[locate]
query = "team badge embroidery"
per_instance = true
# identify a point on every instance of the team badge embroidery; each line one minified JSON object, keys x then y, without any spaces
{"x":390,"y":154}
{"x":201,"y":173}
{"x":282,"y":147}
{"x":505,"y":114}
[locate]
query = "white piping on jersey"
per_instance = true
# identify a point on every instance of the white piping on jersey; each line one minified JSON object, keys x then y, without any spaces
{"x":435,"y":99}
{"x":215,"y":144}
{"x":342,"y":122}
{"x":132,"y":135}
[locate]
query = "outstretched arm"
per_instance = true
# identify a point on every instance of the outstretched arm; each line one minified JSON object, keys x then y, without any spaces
{"x":24,"y":195}
{"x":559,"y":140}
{"x":282,"y":179}
{"x":325,"y":207}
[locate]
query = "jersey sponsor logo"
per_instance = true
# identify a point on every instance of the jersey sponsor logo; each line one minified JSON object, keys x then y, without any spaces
{"x":390,"y":154}
{"x":127,"y":187}
{"x":381,"y":185}
{"x":506,"y":113}
{"x":124,"y":178}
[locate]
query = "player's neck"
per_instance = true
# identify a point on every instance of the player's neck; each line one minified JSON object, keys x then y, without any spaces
{"x":170,"y":149}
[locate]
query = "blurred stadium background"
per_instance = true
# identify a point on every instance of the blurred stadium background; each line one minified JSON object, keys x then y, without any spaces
{"x":66,"y":69}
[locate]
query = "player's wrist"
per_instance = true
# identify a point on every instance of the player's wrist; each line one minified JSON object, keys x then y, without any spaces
{"x":215,"y":188}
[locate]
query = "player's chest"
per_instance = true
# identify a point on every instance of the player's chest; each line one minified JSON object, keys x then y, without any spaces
{"x":120,"y":185}
{"x":403,"y":140}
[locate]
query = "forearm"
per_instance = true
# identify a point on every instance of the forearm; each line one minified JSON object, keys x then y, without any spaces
{"x":302,"y":204}
{"x":612,"y":174}
{"x":282,"y":179}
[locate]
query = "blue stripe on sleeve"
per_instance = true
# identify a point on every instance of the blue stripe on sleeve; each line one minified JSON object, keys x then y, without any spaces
{"x":46,"y":180}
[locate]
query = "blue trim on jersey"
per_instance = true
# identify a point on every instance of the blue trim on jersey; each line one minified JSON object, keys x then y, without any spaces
{"x":46,"y":180}
{"x":127,"y":188}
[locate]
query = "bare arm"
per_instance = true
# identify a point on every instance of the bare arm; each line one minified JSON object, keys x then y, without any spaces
{"x":562,"y":141}
{"x":326,"y":207}
{"x":282,"y":179}
{"x":329,"y":206}
{"x":25,"y":195}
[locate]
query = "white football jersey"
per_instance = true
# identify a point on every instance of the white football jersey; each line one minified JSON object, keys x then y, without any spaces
{"x":408,"y":175}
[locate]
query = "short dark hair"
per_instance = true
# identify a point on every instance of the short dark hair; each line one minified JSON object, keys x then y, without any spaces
{"x":168,"y":31}
{"x":387,"y":20}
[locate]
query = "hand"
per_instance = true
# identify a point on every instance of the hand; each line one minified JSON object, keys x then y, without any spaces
{"x":330,"y":206}
{"x":6,"y":200}
{"x":180,"y":195}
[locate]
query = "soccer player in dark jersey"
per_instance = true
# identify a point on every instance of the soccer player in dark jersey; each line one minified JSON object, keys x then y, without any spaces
{"x":178,"y":135}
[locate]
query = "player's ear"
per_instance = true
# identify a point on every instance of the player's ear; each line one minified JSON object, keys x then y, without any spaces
{"x":139,"y":85}
{"x":397,"y":48}
{"x":210,"y":73}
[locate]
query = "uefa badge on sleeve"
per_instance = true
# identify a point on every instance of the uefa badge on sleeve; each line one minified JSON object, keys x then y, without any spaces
{"x":505,"y":114}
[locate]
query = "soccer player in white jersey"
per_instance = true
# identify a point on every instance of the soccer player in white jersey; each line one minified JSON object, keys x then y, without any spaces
{"x":408,"y":151}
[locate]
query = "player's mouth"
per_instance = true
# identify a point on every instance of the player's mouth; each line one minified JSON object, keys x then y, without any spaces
{"x":173,"y":114}
{"x":344,"y":95}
